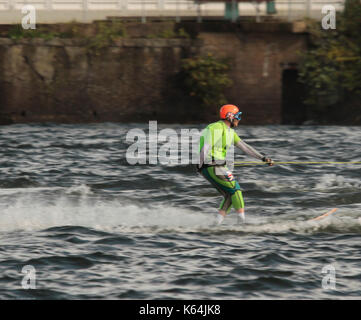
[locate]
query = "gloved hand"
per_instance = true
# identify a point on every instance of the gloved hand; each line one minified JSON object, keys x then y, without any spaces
{"x":269,"y":161}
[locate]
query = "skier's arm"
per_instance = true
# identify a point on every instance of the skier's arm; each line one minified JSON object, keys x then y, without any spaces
{"x":249,"y":150}
{"x":253,"y":152}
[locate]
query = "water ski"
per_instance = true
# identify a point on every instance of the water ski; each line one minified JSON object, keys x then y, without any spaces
{"x":324,"y":215}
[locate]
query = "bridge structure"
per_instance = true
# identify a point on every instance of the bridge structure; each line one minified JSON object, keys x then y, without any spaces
{"x":62,"y":11}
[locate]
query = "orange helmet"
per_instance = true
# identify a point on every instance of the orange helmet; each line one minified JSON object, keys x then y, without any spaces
{"x":229,"y":112}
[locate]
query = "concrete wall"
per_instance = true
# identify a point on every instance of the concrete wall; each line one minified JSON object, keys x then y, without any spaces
{"x":136,"y":79}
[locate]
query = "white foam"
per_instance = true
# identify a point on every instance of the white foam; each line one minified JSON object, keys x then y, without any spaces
{"x":332,"y":180}
{"x":82,"y":189}
{"x":28,"y":213}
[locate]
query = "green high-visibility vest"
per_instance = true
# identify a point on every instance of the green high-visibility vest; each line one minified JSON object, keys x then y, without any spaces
{"x":220,"y":137}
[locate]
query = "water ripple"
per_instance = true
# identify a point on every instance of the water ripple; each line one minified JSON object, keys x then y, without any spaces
{"x":96,"y":227}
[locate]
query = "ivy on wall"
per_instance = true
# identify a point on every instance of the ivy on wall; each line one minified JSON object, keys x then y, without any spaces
{"x":331,"y":68}
{"x":206,"y":78}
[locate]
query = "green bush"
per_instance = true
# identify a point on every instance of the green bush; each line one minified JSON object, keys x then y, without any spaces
{"x":183,"y":34}
{"x":105,"y":36}
{"x":17,"y":32}
{"x":106,"y":33}
{"x":331,"y":68}
{"x":169,"y":34}
{"x":205,"y":79}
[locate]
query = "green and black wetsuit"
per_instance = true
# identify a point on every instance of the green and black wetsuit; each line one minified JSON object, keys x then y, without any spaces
{"x":215,"y":141}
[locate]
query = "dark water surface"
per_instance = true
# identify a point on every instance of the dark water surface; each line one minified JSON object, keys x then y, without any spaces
{"x":95,"y":227}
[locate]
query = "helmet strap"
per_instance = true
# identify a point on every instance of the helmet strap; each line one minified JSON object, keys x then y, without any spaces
{"x":230,"y":119}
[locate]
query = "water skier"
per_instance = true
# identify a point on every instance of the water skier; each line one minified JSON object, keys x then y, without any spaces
{"x":215,"y":141}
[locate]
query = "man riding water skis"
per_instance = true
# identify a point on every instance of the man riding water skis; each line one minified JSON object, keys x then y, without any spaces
{"x":215,"y":141}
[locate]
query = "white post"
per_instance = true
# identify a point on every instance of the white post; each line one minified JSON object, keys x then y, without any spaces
{"x":124,"y":4}
{"x":85,"y":10}
{"x":233,"y":17}
{"x":49,"y":4}
{"x":160,"y":4}
{"x":199,"y":12}
{"x":289,"y":9}
{"x":308,"y":8}
{"x":258,"y":17}
{"x":144,"y":18}
{"x":177,"y":18}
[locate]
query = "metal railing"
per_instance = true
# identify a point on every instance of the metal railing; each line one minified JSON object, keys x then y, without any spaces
{"x":88,"y":10}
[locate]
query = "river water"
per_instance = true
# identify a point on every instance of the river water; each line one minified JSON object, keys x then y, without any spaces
{"x":89,"y":225}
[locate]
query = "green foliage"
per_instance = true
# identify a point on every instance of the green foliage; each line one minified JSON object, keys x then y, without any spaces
{"x":17,"y":32}
{"x":351,"y":22}
{"x":167,"y":34}
{"x":183,"y":34}
{"x":106,"y":34}
{"x":331,"y":68}
{"x":205,"y":78}
{"x":72,"y":30}
{"x":170,"y":34}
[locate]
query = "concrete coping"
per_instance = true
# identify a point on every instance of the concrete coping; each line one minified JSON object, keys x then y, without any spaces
{"x":58,"y":42}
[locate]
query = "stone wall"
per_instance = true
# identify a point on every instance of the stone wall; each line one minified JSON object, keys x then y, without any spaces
{"x":257,"y":63}
{"x":59,"y":80}
{"x":136,"y":78}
